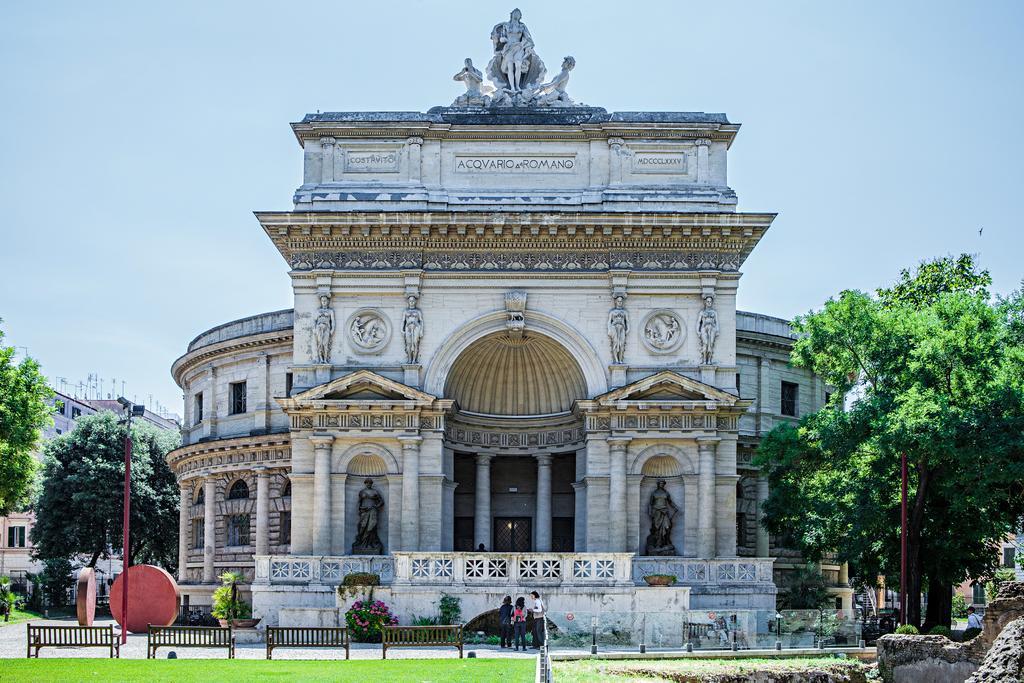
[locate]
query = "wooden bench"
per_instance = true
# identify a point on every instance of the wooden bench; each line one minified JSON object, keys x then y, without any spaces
{"x":420,"y":636}
{"x":73,"y":636}
{"x":189,"y":636}
{"x":279,"y":636}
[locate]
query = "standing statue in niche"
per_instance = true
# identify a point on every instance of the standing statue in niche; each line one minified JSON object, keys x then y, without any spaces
{"x":618,"y":326}
{"x":323,"y":329}
{"x":515,"y":66}
{"x":370,"y":505}
{"x":661,"y":510}
{"x":707,"y":330}
{"x":412,"y":330}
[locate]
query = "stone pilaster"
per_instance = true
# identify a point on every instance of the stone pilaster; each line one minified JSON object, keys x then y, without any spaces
{"x":617,"y":494}
{"x":327,"y":162}
{"x":482,"y":503}
{"x":703,"y":167}
{"x":262,"y":511}
{"x":322,"y":493}
{"x":209,"y":529}
{"x":543,"y":503}
{"x":762,"y":533}
{"x":415,"y":150}
{"x":410,"y":492}
{"x":706,"y":497}
{"x":185,"y":503}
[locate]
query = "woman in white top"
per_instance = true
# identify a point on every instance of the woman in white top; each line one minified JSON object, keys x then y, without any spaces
{"x":538,"y":620}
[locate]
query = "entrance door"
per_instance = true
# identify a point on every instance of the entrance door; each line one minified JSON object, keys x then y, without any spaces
{"x":513,"y":534}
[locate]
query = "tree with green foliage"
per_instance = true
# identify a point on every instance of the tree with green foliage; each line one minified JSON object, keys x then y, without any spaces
{"x":80,"y":508}
{"x":934,"y":369}
{"x":24,"y":411}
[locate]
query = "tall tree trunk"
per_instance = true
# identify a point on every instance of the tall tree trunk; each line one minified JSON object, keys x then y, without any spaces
{"x":915,"y":563}
{"x":940,"y":605}
{"x":95,"y":558}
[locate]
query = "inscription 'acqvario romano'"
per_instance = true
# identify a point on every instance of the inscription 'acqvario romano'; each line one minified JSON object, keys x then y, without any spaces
{"x":516,"y":163}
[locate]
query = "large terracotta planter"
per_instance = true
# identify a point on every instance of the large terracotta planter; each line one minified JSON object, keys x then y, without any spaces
{"x":239,"y":623}
{"x":659,"y":580}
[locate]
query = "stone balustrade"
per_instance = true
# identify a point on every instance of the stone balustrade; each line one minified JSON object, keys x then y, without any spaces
{"x":317,"y":569}
{"x":692,"y":571}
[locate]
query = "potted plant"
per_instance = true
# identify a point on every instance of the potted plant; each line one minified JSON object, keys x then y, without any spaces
{"x":228,"y":608}
{"x":660,"y":579}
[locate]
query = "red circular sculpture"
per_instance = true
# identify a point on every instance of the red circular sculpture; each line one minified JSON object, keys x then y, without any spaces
{"x":153,"y":598}
{"x":85,"y":597}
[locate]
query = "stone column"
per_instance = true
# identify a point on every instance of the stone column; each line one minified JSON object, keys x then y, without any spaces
{"x":543,"y":503}
{"x":617,"y":494}
{"x":844,"y":575}
{"x":415,"y":149}
{"x":262,"y":511}
{"x":762,"y":533}
{"x":210,"y":405}
{"x":703,"y":170}
{"x":482,"y":500}
{"x":327,"y":162}
{"x":209,"y":529}
{"x":706,"y":498}
{"x":322,"y":494}
{"x":410,"y":492}
{"x":185,"y":504}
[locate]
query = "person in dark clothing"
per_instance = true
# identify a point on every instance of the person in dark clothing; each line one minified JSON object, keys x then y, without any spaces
{"x":505,"y":621}
{"x":519,"y":624}
{"x":538,"y":610}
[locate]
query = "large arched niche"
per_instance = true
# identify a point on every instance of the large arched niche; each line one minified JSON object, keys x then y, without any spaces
{"x":517,"y":377}
{"x":543,"y":329}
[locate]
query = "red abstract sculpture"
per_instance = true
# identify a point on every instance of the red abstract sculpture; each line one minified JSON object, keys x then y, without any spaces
{"x":85,"y":597}
{"x":152,"y":594}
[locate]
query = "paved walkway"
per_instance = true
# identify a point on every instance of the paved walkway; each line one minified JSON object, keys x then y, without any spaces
{"x":12,"y":644}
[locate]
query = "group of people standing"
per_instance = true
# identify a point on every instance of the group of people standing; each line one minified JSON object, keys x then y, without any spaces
{"x":512,"y":620}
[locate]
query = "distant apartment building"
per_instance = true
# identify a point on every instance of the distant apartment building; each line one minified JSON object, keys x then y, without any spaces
{"x":15,"y":529}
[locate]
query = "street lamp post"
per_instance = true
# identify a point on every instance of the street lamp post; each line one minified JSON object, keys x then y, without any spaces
{"x":130,"y":410}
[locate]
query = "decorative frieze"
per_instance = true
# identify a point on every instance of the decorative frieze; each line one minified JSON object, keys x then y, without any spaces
{"x":676,"y":421}
{"x":518,"y":438}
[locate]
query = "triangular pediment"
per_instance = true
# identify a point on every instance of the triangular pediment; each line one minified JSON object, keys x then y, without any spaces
{"x":667,"y":386}
{"x":363,"y":385}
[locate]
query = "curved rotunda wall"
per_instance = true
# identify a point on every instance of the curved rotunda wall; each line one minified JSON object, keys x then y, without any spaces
{"x":501,"y":375}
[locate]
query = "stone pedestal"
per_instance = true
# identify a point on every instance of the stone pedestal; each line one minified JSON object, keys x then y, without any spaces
{"x":616,"y":375}
{"x":411,"y":374}
{"x":322,"y":373}
{"x":707,"y":374}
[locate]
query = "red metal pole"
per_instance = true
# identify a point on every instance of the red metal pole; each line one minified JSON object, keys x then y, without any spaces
{"x":127,"y":511}
{"x":903,"y":540}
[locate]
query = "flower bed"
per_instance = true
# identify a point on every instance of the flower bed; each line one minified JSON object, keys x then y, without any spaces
{"x":365,"y":619}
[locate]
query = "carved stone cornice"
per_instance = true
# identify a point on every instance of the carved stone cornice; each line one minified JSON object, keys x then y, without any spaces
{"x":514,"y":241}
{"x":224,"y":455}
{"x":231,"y":347}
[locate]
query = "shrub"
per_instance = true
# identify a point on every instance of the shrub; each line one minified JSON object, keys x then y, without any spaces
{"x":226,"y":603}
{"x":908,"y":630}
{"x":450,"y":608}
{"x":356,"y":583}
{"x":970,"y":633}
{"x":941,"y":631}
{"x":1001,"y":576}
{"x":365,"y":619}
{"x":959,"y":606}
{"x":425,"y":621}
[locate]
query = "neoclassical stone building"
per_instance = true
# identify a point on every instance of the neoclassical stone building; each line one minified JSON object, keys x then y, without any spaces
{"x":513,"y":318}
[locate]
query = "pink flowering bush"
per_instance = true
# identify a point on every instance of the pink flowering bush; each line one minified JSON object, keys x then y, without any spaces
{"x":365,"y":619}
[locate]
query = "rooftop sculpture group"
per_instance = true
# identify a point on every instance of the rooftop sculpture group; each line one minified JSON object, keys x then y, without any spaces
{"x":516,"y":73}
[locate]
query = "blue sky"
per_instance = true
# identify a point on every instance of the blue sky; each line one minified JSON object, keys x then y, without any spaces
{"x":137,"y":138}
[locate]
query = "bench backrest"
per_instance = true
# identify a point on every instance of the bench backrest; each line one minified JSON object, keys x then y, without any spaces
{"x":421,"y":635}
{"x":70,"y":635}
{"x":297,"y":636}
{"x":185,"y":636}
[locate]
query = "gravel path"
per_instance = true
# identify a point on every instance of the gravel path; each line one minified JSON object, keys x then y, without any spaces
{"x":12,"y":644}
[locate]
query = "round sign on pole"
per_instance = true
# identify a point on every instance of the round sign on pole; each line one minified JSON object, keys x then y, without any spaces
{"x":570,"y":616}
{"x":153,"y":598}
{"x":85,"y":596}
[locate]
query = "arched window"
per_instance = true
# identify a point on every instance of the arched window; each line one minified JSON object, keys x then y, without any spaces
{"x":287,"y":490}
{"x":201,"y":496}
{"x":238,"y":490}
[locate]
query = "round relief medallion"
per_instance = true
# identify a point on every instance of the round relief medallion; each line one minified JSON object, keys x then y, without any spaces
{"x":369,"y":330}
{"x":662,"y":331}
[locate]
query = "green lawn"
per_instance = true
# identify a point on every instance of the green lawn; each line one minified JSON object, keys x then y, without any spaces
{"x":668,"y":670}
{"x":20,"y":616}
{"x":206,"y":670}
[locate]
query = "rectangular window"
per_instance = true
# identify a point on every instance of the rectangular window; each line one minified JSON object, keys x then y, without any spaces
{"x":237,"y":398}
{"x":197,"y":409}
{"x":238,"y":530}
{"x":288,"y":379}
{"x":790,"y":394}
{"x":75,"y":412}
{"x":977,"y":594}
{"x":16,"y":537}
{"x":198,"y":534}
{"x":58,"y":407}
{"x":1009,"y":557}
{"x":284,"y":534}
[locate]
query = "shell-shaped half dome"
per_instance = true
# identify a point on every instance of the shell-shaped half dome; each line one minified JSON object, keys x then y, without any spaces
{"x":500,"y":375}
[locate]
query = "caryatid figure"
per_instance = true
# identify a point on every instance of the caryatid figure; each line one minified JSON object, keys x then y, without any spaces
{"x":412,"y":331}
{"x":323,"y":329}
{"x":618,"y":327}
{"x":707,"y":330}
